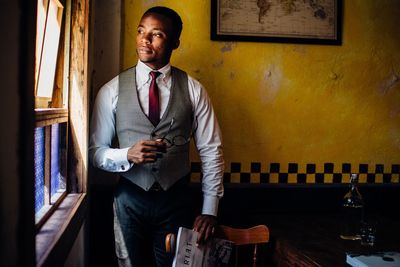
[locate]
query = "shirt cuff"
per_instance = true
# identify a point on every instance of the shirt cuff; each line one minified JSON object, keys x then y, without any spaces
{"x":210,"y":205}
{"x":120,"y":157}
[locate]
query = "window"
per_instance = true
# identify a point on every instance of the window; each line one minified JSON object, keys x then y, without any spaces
{"x":51,"y":131}
{"x":49,"y":55}
{"x":50,"y":153}
{"x":49,"y":20}
{"x":61,"y":127}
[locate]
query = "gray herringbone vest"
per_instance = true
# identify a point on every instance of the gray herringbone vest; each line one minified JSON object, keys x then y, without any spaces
{"x":133,"y":125}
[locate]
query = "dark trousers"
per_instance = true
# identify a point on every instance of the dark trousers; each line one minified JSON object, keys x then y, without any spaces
{"x":143,"y":219}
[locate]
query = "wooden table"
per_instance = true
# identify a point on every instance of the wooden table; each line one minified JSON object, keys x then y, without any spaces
{"x":313,"y":239}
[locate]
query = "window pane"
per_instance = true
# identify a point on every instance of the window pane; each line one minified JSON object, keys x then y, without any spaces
{"x":58,"y":149}
{"x":48,"y":60}
{"x":41,"y":21}
{"x":39,"y":151}
{"x":55,"y":157}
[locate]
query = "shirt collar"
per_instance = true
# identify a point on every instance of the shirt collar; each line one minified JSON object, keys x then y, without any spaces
{"x":143,"y":76}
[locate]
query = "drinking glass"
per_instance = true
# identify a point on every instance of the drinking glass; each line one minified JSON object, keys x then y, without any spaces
{"x":368,"y":233}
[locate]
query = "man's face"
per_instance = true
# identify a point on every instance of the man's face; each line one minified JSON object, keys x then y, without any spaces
{"x":155,"y":40}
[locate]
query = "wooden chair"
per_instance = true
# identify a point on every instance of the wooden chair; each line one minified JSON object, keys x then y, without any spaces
{"x":250,"y":236}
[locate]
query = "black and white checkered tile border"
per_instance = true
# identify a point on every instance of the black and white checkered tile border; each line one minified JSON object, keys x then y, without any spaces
{"x":309,"y":173}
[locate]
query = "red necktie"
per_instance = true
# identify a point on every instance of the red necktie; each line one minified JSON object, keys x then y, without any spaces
{"x":154,"y":103}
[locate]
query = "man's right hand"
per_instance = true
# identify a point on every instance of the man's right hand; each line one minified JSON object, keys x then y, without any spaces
{"x":146,"y":151}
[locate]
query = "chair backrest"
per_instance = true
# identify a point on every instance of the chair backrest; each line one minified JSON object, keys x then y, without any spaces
{"x":250,"y":236}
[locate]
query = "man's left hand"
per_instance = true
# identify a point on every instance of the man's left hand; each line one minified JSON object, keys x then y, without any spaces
{"x":205,"y":225}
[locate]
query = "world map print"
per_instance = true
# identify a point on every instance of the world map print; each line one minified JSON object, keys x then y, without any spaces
{"x":278,"y":18}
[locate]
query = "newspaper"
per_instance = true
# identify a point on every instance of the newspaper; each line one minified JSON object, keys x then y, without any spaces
{"x":214,"y":253}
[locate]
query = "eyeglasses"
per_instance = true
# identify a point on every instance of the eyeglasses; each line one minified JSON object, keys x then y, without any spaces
{"x":178,"y":140}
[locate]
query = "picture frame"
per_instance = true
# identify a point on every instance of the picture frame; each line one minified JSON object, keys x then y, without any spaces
{"x":279,"y":21}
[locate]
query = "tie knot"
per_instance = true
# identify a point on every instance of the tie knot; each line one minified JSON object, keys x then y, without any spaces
{"x":154,"y":74}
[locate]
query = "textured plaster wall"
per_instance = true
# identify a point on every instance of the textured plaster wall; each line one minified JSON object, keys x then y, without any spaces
{"x":288,"y":103}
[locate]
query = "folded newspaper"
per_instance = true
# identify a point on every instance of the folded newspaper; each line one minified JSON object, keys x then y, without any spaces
{"x":215,"y":252}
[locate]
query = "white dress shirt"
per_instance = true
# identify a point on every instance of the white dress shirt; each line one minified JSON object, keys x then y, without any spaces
{"x":207,"y":134}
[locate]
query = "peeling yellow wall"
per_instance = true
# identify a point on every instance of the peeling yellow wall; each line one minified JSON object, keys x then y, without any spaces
{"x":288,"y":103}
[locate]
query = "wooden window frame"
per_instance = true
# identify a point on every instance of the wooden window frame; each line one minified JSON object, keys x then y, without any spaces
{"x":46,"y":118}
{"x":49,"y":111}
{"x":56,"y":233}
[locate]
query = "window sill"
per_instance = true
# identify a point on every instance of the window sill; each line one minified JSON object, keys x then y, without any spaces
{"x":57,"y":235}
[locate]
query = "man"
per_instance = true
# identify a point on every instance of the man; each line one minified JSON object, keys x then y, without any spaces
{"x":153,"y":109}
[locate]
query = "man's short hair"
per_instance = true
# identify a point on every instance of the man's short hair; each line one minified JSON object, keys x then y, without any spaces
{"x":171,"y":14}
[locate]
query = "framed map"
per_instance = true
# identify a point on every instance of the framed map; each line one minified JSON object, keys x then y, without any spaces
{"x":288,"y":21}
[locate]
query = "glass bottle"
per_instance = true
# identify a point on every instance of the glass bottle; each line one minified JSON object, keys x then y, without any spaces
{"x":353,"y":209}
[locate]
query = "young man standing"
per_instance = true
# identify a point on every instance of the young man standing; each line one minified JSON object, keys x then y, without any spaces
{"x":154,"y":109}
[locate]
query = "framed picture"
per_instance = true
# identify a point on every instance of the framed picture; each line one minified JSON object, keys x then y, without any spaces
{"x":287,"y":21}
